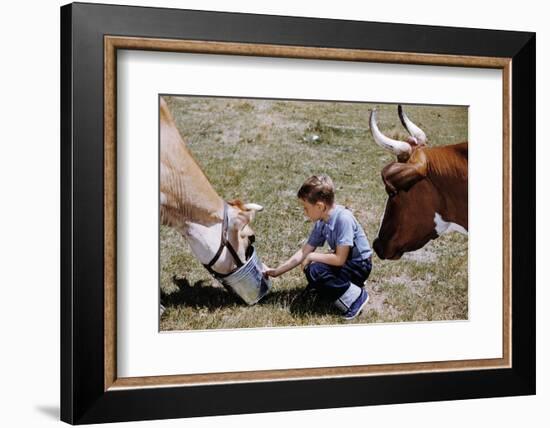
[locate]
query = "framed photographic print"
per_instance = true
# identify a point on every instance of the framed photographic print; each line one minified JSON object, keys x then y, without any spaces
{"x":256,"y":208}
{"x":234,"y":141}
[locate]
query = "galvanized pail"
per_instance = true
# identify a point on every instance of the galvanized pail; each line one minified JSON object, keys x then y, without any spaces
{"x":248,"y":282}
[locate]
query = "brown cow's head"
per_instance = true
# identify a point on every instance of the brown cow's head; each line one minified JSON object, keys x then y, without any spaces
{"x":408,"y":220}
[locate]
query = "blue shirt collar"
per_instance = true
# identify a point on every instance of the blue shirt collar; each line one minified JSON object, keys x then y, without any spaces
{"x":331,"y":222}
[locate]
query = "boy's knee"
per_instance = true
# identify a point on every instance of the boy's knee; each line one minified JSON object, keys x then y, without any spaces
{"x":314,"y":271}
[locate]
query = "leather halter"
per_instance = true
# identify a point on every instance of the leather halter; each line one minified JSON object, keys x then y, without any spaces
{"x":224,"y":243}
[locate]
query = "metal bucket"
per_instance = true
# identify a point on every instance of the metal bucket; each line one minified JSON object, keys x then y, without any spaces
{"x":248,"y":282}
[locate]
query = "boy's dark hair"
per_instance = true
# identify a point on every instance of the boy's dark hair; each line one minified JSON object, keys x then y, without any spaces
{"x":317,"y":188}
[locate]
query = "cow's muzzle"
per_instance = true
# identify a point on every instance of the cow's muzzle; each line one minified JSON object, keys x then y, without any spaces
{"x":377,"y":247}
{"x":383,"y":253}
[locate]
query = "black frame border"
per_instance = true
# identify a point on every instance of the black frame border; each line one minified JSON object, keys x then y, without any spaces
{"x":83,"y":399}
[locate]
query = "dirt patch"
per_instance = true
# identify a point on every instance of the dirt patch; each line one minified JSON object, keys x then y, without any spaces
{"x":415,"y":286}
{"x":377,"y":302}
{"x":423,"y":255}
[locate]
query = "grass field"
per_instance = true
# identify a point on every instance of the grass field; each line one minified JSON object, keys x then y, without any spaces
{"x":261,"y":151}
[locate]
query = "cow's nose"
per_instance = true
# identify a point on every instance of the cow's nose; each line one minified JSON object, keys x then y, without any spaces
{"x":252,"y":239}
{"x":377,"y":246}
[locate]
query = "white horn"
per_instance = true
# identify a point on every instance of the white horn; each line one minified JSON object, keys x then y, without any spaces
{"x":253,"y":207}
{"x":414,"y":130}
{"x":400,"y":148}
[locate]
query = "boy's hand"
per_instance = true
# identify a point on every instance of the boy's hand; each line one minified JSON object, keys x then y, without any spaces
{"x":272,"y":272}
{"x":269,"y":272}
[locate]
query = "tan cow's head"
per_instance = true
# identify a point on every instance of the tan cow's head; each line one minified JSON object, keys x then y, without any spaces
{"x":240,"y":233}
{"x":189,"y":203}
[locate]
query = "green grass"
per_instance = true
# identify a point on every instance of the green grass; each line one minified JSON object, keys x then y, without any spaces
{"x":261,"y":151}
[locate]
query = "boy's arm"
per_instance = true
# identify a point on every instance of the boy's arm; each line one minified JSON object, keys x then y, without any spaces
{"x":337,"y":258}
{"x":297,"y":258}
{"x":344,"y":230}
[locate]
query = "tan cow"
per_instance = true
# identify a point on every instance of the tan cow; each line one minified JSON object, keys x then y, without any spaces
{"x":189,"y":203}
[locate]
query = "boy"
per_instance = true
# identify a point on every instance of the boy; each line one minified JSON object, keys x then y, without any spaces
{"x":340,"y":275}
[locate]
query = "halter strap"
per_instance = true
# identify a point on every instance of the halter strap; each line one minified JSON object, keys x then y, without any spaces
{"x":223,"y":243}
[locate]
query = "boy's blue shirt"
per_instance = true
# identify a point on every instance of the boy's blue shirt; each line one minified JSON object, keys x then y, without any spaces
{"x":341,"y":228}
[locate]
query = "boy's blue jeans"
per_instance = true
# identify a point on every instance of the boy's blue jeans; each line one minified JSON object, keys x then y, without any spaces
{"x":333,"y":281}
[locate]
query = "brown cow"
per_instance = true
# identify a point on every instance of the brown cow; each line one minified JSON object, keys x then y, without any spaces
{"x":427,"y":191}
{"x":189,"y":203}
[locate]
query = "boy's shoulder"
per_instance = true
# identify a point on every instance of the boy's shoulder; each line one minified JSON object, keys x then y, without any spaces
{"x":344,"y":213}
{"x":343,"y":216}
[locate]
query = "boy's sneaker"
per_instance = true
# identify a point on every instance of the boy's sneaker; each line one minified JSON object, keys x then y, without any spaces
{"x":357,"y":306}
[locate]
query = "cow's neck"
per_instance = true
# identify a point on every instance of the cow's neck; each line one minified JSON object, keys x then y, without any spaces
{"x":200,"y":202}
{"x":450,"y":207}
{"x":184,"y":186}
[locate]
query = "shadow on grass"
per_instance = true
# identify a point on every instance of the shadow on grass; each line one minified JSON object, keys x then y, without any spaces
{"x":300,"y":301}
{"x":198,"y":295}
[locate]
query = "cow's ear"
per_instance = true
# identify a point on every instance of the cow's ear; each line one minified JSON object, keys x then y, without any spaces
{"x":237,"y":203}
{"x":401,"y":176}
